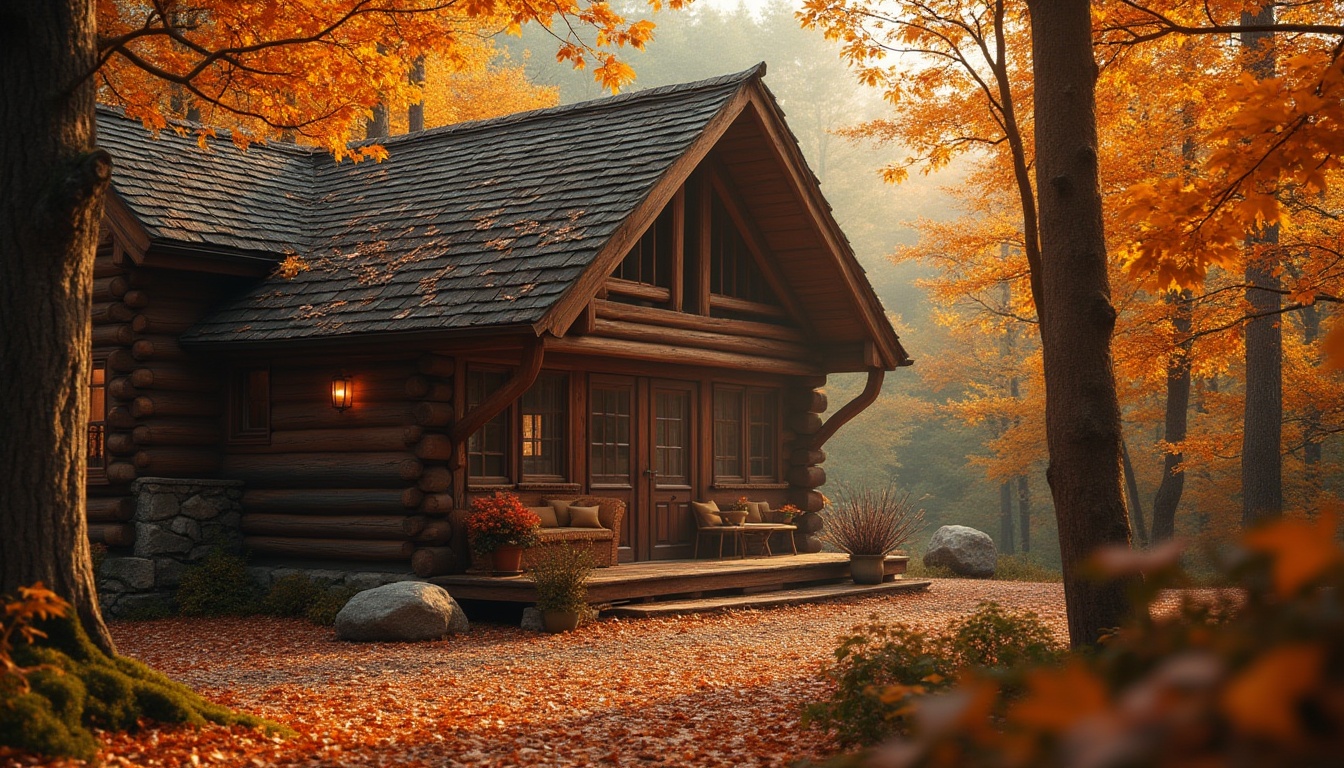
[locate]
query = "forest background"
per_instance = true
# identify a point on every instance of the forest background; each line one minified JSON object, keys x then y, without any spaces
{"x":963,"y":430}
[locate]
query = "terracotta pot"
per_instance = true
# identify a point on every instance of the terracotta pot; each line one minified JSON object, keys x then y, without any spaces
{"x":507,"y":559}
{"x":867,"y":569}
{"x":560,"y":621}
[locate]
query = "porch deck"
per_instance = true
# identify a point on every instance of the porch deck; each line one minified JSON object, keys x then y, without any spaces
{"x":629,"y":582}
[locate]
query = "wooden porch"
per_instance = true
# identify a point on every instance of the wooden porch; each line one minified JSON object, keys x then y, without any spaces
{"x":677,"y":579}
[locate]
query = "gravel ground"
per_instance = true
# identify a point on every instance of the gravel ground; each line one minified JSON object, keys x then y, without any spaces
{"x":716,"y":690}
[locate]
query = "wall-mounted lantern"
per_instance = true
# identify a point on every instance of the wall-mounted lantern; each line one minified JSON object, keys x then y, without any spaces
{"x":342,"y":391}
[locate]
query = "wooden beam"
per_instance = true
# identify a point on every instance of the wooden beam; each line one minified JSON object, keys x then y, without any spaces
{"x":678,"y":247}
{"x":522,"y":379}
{"x":734,"y":304}
{"x":664,"y":353}
{"x":851,"y":409}
{"x":657,"y":316}
{"x":636,"y":290}
{"x":704,"y":244}
{"x":656,"y":334}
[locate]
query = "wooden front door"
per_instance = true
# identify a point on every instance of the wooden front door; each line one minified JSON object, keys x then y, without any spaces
{"x":642,"y":443}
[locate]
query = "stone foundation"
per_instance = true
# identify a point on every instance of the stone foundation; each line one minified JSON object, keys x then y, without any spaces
{"x":177,"y":523}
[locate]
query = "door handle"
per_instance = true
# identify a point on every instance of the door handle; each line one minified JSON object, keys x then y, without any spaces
{"x":650,"y":473}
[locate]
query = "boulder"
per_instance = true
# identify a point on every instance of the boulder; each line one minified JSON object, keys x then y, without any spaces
{"x":965,"y":550}
{"x":532,"y":620}
{"x":407,"y":611}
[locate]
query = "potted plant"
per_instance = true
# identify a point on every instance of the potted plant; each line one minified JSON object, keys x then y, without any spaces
{"x":561,"y":575}
{"x":868,"y":525}
{"x":737,"y":513}
{"x":501,"y":527}
{"x":785,"y":514}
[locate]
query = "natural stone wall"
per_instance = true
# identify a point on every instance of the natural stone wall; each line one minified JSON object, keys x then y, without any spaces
{"x":177,"y":522}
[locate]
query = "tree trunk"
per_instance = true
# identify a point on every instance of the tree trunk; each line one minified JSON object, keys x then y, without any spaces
{"x":1178,"y":411}
{"x":1024,"y":512}
{"x":415,"y":113}
{"x":53,"y":182}
{"x":1006,"y":518}
{"x":1132,"y":485}
{"x":1082,"y":412}
{"x":1311,"y":419}
{"x":380,"y":124}
{"x":1262,"y":433}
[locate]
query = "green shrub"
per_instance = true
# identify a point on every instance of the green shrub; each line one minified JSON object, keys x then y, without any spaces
{"x":879,"y":667}
{"x":217,"y":586}
{"x":561,"y":575}
{"x":1025,"y":568}
{"x":324,"y":608}
{"x":291,"y":596}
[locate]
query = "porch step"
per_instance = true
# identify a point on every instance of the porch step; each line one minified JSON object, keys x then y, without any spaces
{"x":764,"y":599}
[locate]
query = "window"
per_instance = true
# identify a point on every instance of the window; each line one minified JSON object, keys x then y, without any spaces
{"x":250,"y":405}
{"x":745,"y":435}
{"x":488,"y":448}
{"x":97,"y":450}
{"x":650,"y":260}
{"x":732,"y":269}
{"x":543,"y":429}
{"x":609,"y":436}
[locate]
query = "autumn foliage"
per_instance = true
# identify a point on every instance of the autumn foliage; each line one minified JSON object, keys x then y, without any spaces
{"x":1250,"y":675}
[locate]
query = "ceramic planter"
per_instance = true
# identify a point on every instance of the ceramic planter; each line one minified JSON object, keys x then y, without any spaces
{"x":507,"y":560}
{"x":867,"y":569}
{"x":560,"y":621}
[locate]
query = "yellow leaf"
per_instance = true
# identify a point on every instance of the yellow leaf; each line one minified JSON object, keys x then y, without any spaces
{"x":1302,"y":549}
{"x":1263,"y":699}
{"x":1058,"y":698}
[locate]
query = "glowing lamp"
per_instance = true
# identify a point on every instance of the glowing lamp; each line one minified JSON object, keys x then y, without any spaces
{"x":342,"y":391}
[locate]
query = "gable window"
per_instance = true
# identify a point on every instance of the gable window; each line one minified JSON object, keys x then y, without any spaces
{"x":97,"y":450}
{"x":250,"y":405}
{"x":543,"y":429}
{"x":745,"y":435}
{"x":733,"y":270}
{"x":488,"y":448}
{"x":650,"y":260}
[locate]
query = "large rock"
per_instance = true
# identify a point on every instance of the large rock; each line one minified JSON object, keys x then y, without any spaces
{"x":406,"y":611}
{"x":965,"y":550}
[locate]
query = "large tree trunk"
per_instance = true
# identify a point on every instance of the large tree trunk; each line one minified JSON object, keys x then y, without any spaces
{"x":415,"y":113}
{"x":1262,"y":433}
{"x":1135,"y":503}
{"x":1006,"y":518}
{"x":1024,"y":512}
{"x":52,"y":185}
{"x":1082,"y":411}
{"x":1177,"y":417}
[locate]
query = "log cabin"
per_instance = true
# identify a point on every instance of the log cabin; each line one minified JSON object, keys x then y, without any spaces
{"x":638,"y":297}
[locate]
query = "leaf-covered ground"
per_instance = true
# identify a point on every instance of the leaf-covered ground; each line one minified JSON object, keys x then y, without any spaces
{"x":717,"y":690}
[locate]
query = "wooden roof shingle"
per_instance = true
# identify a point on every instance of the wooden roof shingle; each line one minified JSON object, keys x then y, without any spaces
{"x":473,"y":225}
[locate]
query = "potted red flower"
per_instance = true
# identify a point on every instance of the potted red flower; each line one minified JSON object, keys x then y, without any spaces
{"x":501,"y":527}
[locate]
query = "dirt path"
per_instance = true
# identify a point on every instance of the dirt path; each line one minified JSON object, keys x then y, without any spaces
{"x":721,"y":690}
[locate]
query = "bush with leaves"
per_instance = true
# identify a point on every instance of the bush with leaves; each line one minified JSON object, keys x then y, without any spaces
{"x":1248,"y":676}
{"x":561,"y":577}
{"x":219,"y":585}
{"x":879,"y":667}
{"x":298,"y":595}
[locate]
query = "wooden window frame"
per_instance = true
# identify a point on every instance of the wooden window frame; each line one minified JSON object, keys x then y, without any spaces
{"x":240,"y":428}
{"x":509,"y":448}
{"x":561,"y":443}
{"x":747,"y":446}
{"x":97,"y":423}
{"x":631,"y":414}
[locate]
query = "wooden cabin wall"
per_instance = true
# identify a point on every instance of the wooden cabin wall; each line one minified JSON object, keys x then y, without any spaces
{"x":370,"y":484}
{"x":163,"y":408}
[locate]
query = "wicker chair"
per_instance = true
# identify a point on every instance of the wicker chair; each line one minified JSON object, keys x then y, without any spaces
{"x":603,"y":543}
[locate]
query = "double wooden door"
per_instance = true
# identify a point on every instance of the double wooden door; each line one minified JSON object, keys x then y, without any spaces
{"x":642,"y":443}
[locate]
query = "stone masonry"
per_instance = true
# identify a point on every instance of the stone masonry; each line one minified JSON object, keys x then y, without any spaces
{"x":177,"y":523}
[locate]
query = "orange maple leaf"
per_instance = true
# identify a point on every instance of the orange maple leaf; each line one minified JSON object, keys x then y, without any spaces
{"x":1302,"y":549}
{"x":1263,"y":699}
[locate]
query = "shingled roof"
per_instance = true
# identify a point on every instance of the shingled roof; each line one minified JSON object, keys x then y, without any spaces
{"x":478,"y":224}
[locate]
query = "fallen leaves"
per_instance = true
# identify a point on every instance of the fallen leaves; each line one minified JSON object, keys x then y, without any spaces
{"x":705,"y":690}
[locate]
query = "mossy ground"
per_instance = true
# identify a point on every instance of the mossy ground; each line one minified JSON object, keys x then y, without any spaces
{"x":77,"y":687}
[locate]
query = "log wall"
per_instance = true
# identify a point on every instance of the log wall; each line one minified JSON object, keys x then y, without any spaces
{"x":163,"y":406}
{"x":803,"y":406}
{"x":366,"y":484}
